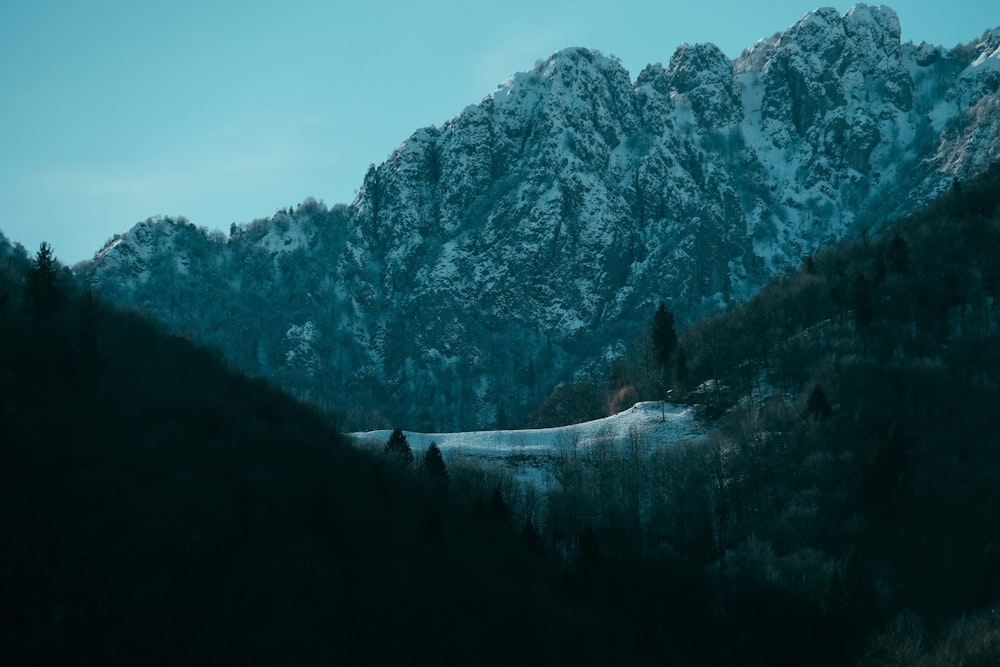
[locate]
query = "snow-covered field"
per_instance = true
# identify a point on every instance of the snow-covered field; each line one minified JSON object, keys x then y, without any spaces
{"x":531,"y":453}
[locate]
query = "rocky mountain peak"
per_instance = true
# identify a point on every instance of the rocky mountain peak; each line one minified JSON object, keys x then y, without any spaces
{"x":702,"y":75}
{"x":694,"y":66}
{"x":873,"y":30}
{"x":529,"y":238}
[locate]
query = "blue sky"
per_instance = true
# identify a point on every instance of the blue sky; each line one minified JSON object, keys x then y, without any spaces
{"x":112,"y":111}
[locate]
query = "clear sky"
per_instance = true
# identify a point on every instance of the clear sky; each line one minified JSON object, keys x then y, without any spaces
{"x":112,"y":111}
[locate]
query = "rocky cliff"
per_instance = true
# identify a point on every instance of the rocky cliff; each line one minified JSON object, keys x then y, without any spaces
{"x":532,"y":235}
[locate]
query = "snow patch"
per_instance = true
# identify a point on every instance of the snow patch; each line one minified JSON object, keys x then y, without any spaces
{"x":530,"y":453}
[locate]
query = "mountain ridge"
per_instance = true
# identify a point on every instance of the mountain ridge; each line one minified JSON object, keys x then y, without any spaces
{"x":491,"y":258}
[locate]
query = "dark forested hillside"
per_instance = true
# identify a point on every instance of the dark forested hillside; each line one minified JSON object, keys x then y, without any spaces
{"x":857,"y":465}
{"x":845,"y":508}
{"x":157,"y":508}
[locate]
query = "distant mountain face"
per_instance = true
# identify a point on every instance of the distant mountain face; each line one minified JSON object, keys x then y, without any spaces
{"x":495,"y":256}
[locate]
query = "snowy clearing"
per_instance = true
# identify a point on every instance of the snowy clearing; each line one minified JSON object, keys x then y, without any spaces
{"x":532,"y":453}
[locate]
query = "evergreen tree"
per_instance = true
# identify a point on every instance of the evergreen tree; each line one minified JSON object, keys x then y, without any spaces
{"x":818,"y":405}
{"x":664,"y":334}
{"x":41,"y":284}
{"x":434,"y":465}
{"x":498,"y":508}
{"x":398,"y":446}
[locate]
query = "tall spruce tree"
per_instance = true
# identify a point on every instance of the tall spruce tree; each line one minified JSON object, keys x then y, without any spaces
{"x":664,"y":334}
{"x":41,"y":283}
{"x":818,"y":405}
{"x":398,"y":446}
{"x":434,"y":465}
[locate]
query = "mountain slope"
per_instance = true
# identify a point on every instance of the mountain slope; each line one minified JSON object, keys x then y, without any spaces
{"x":495,"y":256}
{"x":160,"y":509}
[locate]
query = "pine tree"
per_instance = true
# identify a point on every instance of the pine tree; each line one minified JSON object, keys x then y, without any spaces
{"x":664,"y":334}
{"x":398,"y":446}
{"x":41,"y":285}
{"x":818,"y":405}
{"x":498,"y":508}
{"x":434,"y":465}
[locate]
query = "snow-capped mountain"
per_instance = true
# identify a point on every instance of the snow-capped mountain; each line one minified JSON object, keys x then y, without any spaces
{"x":493,"y":257}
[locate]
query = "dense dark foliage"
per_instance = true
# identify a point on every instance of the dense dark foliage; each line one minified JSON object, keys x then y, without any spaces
{"x":847,"y":499}
{"x":157,"y":508}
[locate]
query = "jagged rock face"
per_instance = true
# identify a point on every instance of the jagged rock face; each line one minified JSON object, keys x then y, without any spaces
{"x":533,"y":235}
